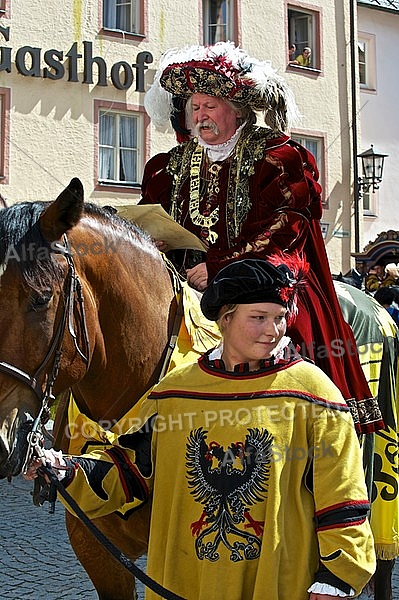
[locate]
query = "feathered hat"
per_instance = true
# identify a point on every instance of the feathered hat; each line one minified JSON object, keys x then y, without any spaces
{"x":223,"y":70}
{"x":253,"y":280}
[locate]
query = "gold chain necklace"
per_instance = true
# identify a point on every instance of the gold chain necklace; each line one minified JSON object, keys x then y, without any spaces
{"x":203,"y":221}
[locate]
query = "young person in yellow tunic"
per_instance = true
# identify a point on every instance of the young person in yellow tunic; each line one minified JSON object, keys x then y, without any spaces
{"x":250,"y":457}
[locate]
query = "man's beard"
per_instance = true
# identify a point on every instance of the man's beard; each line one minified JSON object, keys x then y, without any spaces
{"x":208,"y":125}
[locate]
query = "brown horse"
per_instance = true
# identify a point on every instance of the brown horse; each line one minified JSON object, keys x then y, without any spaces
{"x":87,"y":304}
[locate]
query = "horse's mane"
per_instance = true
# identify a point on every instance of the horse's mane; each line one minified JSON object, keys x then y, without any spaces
{"x":22,"y":242}
{"x":108,"y":214}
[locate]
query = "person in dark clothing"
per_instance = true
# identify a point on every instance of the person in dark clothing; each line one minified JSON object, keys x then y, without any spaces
{"x":386,"y":296}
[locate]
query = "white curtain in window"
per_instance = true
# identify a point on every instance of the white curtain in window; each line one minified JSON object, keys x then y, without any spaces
{"x":128,"y":144}
{"x":302,"y":32}
{"x":134,"y":18}
{"x":109,"y":14}
{"x":313,"y":147}
{"x":126,"y":15}
{"x":106,"y":150}
{"x":217,"y":20}
{"x":362,"y":62}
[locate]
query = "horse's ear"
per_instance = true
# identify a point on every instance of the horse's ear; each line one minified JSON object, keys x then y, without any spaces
{"x":64,"y":213}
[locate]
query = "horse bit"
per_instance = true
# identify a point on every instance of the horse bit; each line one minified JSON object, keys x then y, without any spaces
{"x":72,"y":293}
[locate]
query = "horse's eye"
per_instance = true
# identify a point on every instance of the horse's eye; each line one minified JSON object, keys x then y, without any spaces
{"x":40,"y":301}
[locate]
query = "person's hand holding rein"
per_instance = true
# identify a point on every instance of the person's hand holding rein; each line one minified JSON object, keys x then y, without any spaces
{"x":51,"y":458}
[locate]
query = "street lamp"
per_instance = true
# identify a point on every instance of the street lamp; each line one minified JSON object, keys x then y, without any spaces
{"x":372,"y":166}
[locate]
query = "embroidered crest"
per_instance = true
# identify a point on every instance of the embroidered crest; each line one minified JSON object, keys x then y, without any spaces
{"x":227,"y":482}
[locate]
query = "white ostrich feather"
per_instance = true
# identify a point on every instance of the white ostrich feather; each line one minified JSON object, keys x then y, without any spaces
{"x":158,"y":103}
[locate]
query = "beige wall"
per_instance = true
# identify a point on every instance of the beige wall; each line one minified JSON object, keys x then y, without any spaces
{"x":51,"y":122}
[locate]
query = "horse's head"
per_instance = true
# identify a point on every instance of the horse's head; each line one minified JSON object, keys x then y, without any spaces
{"x":35,"y":281}
{"x":86,"y":303}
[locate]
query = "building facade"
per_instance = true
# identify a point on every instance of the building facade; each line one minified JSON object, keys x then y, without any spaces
{"x":378,"y":38}
{"x":73,"y":77}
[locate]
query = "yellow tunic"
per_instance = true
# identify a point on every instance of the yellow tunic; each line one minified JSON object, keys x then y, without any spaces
{"x":254,"y":478}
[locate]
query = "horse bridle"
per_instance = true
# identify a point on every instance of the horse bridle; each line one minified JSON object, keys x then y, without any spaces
{"x":72,"y":294}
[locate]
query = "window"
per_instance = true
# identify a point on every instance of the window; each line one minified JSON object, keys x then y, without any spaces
{"x":303,"y":31}
{"x":362,"y":62}
{"x":218,"y":19}
{"x":366,"y":61}
{"x":121,"y":15}
{"x":370,"y":203}
{"x":315,"y":145}
{"x":120,"y":139}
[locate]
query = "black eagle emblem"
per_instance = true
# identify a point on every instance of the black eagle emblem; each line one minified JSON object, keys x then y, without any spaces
{"x":227,"y":482}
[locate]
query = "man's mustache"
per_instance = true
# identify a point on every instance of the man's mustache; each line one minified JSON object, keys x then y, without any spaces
{"x":206,"y":124}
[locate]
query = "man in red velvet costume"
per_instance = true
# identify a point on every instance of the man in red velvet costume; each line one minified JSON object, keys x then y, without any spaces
{"x":248,"y":191}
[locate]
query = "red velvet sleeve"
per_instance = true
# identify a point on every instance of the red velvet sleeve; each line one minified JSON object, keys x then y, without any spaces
{"x":285,"y":199}
{"x":156,"y":184}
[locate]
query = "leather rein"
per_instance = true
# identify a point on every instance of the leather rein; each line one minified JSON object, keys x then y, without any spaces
{"x":72,"y":296}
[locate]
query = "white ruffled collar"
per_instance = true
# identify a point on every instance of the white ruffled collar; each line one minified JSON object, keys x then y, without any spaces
{"x":218,"y":152}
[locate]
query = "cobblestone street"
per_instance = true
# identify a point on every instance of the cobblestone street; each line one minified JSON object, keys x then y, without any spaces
{"x":36,"y":560}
